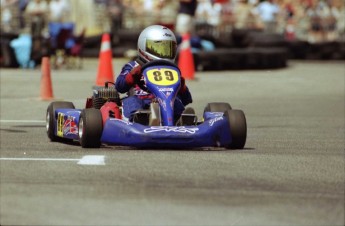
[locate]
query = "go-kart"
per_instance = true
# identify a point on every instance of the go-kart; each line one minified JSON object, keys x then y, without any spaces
{"x":102,"y":121}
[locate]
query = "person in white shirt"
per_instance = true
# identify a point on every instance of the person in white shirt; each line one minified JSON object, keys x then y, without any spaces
{"x":210,"y":12}
{"x":37,"y":10}
{"x":59,"y":10}
{"x":268,"y":11}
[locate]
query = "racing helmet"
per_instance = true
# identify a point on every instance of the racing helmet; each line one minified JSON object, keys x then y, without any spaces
{"x":157,"y":42}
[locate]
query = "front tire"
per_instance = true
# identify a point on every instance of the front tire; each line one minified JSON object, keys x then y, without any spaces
{"x":90,"y":128}
{"x":238,"y":128}
{"x":50,"y":117}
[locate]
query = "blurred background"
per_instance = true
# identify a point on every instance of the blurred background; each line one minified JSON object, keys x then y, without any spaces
{"x":225,"y":34}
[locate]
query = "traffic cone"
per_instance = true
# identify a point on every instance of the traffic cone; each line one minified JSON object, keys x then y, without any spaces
{"x":185,"y":59}
{"x":46,"y":83}
{"x":105,"y":66}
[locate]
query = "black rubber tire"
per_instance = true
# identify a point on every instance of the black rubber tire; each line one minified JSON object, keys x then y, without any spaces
{"x":217,"y":107}
{"x":90,"y":128}
{"x":238,"y":128}
{"x":189,"y":110}
{"x":50,"y":117}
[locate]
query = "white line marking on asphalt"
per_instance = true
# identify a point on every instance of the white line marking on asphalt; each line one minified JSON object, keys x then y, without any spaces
{"x":85,"y":160}
{"x":92,"y":160}
{"x":37,"y":159}
{"x":21,"y":121}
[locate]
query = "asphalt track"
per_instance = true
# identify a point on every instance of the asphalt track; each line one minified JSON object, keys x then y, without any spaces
{"x":291,"y":171}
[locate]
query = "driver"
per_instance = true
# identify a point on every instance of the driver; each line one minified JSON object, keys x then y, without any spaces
{"x":151,"y":39}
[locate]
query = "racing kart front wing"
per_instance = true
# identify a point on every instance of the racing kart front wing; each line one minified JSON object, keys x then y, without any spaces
{"x":214,"y":132}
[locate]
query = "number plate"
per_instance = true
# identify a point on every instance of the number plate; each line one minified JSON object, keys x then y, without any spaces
{"x":162,"y":77}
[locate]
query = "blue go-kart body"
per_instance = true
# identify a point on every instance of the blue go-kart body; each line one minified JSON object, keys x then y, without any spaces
{"x":213,"y":132}
{"x":221,"y":126}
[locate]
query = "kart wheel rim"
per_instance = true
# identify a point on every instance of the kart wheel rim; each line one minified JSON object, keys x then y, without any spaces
{"x":47,"y":121}
{"x":81,"y":128}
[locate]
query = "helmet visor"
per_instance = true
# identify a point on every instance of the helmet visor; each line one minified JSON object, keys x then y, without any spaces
{"x":163,"y":49}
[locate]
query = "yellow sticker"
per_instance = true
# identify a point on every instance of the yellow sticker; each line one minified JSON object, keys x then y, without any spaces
{"x":60,"y":123}
{"x":162,"y":77}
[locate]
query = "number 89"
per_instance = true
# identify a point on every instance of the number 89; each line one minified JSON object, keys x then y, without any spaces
{"x":157,"y":75}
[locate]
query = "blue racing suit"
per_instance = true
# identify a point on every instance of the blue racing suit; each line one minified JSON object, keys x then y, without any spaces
{"x":142,"y":99}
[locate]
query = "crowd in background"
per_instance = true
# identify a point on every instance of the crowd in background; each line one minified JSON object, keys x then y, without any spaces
{"x":310,"y":20}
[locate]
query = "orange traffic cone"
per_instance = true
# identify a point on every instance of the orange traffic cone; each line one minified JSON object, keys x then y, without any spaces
{"x":185,"y":59}
{"x":46,"y":83}
{"x":105,"y":66}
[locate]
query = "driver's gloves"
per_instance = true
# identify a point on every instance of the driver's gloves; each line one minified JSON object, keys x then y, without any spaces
{"x":134,"y":75}
{"x":183,"y":87}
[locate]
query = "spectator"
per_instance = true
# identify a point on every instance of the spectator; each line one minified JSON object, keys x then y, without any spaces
{"x":300,"y":20}
{"x":167,"y":13}
{"x":83,"y":16}
{"x":268,"y":11}
{"x":209,"y":11}
{"x":315,"y":17}
{"x":148,"y":5}
{"x":115,"y":9}
{"x":59,"y":10}
{"x":37,"y":10}
{"x":340,"y":6}
{"x":7,"y":10}
{"x":185,"y":16}
{"x":22,"y":6}
{"x":331,"y":16}
{"x":244,"y":16}
{"x":289,"y":13}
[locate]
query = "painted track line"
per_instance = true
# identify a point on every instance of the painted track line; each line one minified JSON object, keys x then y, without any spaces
{"x":21,"y":121}
{"x":85,"y":160}
{"x":37,"y":159}
{"x":92,"y":160}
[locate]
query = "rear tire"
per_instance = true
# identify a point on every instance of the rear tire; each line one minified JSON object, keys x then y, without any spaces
{"x":90,"y":128}
{"x":217,"y":107}
{"x":189,"y":110}
{"x":238,"y":128}
{"x":188,"y":117}
{"x":50,"y":117}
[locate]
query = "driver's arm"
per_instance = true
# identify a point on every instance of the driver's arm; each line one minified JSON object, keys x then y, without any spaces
{"x":129,"y":76}
{"x":184,"y":94}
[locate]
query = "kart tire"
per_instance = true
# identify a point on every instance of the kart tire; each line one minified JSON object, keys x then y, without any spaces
{"x":189,"y":110}
{"x":90,"y":128}
{"x":217,"y":107}
{"x":50,"y":117}
{"x":238,"y":128}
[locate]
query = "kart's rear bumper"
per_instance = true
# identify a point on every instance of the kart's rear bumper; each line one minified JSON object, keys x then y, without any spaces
{"x":213,"y":132}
